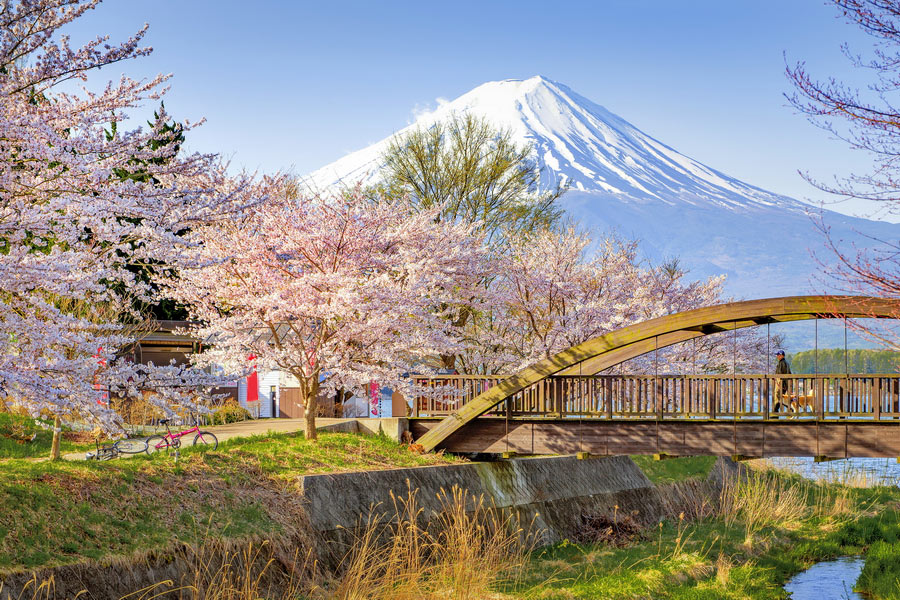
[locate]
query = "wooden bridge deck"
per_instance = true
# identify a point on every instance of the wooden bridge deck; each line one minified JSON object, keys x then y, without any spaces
{"x":677,"y":438}
{"x":830,"y":415}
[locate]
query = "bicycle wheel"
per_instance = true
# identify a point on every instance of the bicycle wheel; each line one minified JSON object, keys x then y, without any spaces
{"x":107,"y":453}
{"x":157,"y":443}
{"x":131,"y":446}
{"x":207,"y":439}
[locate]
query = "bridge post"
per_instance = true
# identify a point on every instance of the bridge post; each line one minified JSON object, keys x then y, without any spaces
{"x":891,"y":396}
{"x":876,"y":397}
{"x":895,"y":396}
{"x":609,"y":397}
{"x":711,"y":398}
{"x":840,"y":397}
{"x":559,"y":396}
{"x":820,"y":398}
{"x":660,"y":408}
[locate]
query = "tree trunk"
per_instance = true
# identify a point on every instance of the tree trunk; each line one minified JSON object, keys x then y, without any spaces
{"x":310,"y":403}
{"x":310,"y":431}
{"x":54,"y":446}
{"x":448,"y":362}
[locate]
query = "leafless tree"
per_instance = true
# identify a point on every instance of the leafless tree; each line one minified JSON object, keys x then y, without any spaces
{"x":867,"y":120}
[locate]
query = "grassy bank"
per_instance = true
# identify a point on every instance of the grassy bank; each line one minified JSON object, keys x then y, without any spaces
{"x":674,"y":469}
{"x":54,"y":513}
{"x":745,"y":543}
{"x":760,"y":533}
{"x":22,"y":437}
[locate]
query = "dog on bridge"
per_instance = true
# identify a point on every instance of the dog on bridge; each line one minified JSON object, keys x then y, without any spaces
{"x":797,"y":403}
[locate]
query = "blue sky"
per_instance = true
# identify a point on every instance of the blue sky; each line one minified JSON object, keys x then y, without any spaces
{"x":296,"y":85}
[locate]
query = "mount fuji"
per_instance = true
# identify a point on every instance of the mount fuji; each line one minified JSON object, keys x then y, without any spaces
{"x":622,"y":179}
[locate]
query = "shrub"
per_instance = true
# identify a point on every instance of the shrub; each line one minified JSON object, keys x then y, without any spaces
{"x":230,"y":412}
{"x":137,"y":411}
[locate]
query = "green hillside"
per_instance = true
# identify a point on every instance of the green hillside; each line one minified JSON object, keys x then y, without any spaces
{"x":833,"y":360}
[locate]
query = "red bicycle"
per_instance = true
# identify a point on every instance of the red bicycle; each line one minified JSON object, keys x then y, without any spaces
{"x":172,"y":441}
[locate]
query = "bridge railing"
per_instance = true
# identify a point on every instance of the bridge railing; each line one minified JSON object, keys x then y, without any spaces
{"x":822,"y":396}
{"x":446,"y":394}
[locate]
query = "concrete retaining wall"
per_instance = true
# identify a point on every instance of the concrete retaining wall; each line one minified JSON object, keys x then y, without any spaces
{"x":393,"y":428}
{"x":552,"y":492}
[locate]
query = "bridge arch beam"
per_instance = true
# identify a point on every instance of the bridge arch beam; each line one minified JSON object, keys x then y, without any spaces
{"x":602,"y":352}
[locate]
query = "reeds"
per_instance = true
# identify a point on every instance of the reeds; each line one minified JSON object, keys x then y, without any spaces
{"x":760,"y":499}
{"x":767,"y":497}
{"x":461,"y":551}
{"x":723,"y":566}
{"x":248,"y":573}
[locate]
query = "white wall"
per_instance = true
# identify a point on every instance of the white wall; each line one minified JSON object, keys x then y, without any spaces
{"x":355,"y":407}
{"x":242,"y":392}
{"x":266,"y":380}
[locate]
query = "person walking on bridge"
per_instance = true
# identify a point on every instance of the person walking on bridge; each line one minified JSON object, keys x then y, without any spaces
{"x":781,"y":389}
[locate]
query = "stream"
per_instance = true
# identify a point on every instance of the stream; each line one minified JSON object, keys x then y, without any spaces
{"x":835,"y":579}
{"x":831,"y":580}
{"x":860,"y":472}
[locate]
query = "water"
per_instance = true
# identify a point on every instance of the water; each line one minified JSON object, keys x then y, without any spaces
{"x":861,"y":472}
{"x":832,"y":580}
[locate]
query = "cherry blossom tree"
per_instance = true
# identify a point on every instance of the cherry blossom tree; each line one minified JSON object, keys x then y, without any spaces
{"x":556,"y":289}
{"x":339,"y":291}
{"x":69,"y":222}
{"x":558,"y":295}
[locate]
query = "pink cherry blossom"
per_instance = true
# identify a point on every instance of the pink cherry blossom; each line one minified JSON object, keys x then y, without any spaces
{"x":338,"y":291}
{"x":67,"y":222}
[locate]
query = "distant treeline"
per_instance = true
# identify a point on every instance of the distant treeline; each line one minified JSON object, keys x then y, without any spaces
{"x":857,"y":361}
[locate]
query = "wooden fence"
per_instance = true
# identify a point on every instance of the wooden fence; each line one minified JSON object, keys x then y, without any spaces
{"x":741,"y":396}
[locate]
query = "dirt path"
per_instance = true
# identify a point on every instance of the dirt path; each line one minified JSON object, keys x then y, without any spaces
{"x":254,"y":427}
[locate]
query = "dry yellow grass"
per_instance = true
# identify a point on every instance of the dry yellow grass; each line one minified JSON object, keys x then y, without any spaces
{"x":459,"y":555}
{"x":761,"y":499}
{"x":723,"y":567}
{"x":464,"y":550}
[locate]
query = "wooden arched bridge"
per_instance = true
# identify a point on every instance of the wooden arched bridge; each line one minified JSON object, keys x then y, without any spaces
{"x":563,"y":405}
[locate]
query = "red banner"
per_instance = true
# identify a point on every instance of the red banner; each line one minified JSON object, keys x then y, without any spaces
{"x":252,"y":383}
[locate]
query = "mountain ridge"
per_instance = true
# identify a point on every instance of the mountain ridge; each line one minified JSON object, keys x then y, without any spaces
{"x":624,"y":179}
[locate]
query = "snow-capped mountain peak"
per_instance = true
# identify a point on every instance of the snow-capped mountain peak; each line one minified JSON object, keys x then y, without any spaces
{"x":580,"y":142}
{"x":622,"y":179}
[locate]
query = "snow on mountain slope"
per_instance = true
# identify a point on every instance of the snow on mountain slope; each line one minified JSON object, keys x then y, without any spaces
{"x":621,"y":178}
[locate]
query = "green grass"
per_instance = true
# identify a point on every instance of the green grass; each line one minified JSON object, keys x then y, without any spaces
{"x":284,"y":456}
{"x":880,"y":577}
{"x":715,"y":558}
{"x":675,"y":469}
{"x":54,"y":513}
{"x":15,"y":442}
{"x":669,"y":558}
